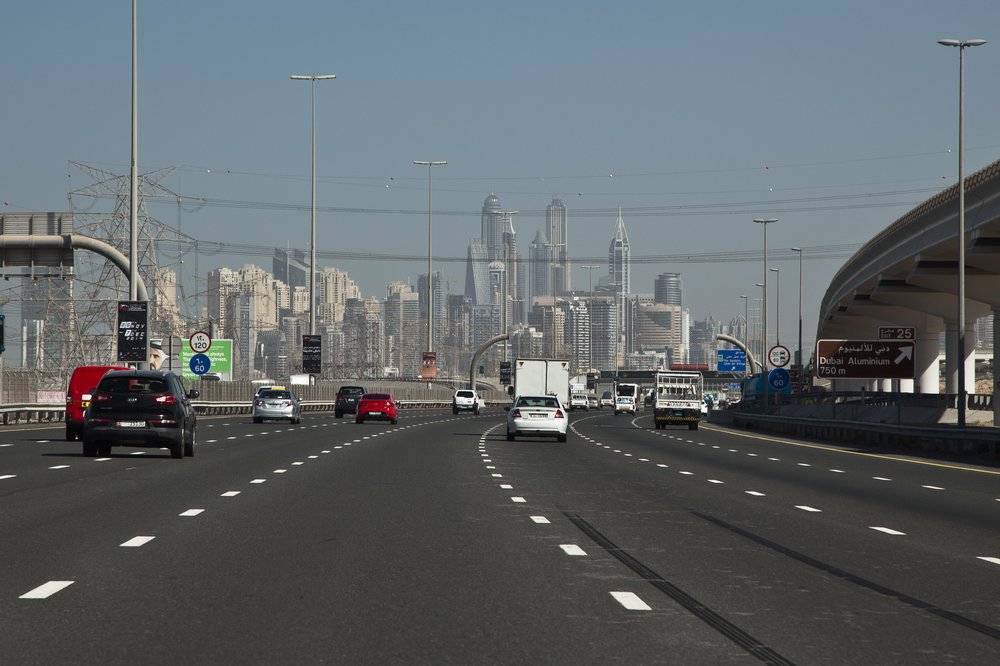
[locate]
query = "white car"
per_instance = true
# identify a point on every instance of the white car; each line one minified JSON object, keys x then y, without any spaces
{"x":465,"y":400}
{"x":578,"y":401}
{"x":624,"y":405}
{"x":536,"y":416}
{"x":607,"y":399}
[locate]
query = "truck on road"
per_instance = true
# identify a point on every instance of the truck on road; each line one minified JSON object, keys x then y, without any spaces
{"x":678,"y":398}
{"x":542,"y":376}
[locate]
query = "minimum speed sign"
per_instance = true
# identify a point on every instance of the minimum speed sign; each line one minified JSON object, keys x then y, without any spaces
{"x":779,"y":356}
{"x":200,"y":342}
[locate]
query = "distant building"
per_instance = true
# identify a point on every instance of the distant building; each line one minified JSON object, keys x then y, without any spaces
{"x":557,"y":222}
{"x":667,"y":289}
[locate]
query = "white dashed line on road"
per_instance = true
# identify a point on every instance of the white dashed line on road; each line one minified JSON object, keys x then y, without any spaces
{"x":47,"y":590}
{"x":518,"y":500}
{"x":230,"y":493}
{"x":754,"y":493}
{"x":258,"y":481}
{"x":541,"y":520}
{"x":887,"y":530}
{"x":573,"y":549}
{"x":59,"y":467}
{"x":136,"y":542}
{"x":932,"y":487}
{"x":991,"y":560}
{"x":191,"y":512}
{"x":630,"y":601}
{"x":881,"y":478}
{"x":811,"y":509}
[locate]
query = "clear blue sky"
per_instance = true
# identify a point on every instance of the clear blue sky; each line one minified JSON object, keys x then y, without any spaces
{"x":836,"y":118}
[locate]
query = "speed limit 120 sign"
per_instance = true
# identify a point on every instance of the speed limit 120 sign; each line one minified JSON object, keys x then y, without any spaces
{"x":779,"y":356}
{"x":200,"y":342}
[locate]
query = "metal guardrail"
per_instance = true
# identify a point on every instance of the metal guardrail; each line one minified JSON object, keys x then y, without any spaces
{"x":51,"y":413}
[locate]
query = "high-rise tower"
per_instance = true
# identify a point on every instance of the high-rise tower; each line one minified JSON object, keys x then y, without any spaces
{"x":493,"y":228}
{"x":667,"y":289}
{"x":557,"y":221}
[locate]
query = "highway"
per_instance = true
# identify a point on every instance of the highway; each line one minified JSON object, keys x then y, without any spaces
{"x":438,"y":541}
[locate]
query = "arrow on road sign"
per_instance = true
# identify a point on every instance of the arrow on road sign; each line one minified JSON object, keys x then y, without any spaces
{"x":904,"y":354}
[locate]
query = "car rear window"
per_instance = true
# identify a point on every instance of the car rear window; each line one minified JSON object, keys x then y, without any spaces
{"x":351,"y":390}
{"x":537,"y":402}
{"x":465,"y":394}
{"x":134,"y":385}
{"x":375,"y":396}
{"x":276,"y":394}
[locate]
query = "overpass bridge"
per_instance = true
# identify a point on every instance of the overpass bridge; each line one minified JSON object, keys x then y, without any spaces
{"x":907,"y":276}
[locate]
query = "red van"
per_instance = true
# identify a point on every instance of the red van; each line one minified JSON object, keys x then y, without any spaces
{"x":83,"y":380}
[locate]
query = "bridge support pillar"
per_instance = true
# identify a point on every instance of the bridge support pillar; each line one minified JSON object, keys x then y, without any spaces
{"x":926,"y":366}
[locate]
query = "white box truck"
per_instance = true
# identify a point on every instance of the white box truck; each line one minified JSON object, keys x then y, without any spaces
{"x":542,"y":376}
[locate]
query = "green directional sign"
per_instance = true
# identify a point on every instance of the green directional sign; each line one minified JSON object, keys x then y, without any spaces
{"x":220,"y":355}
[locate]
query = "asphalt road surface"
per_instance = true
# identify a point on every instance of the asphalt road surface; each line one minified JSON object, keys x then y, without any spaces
{"x":438,"y":541}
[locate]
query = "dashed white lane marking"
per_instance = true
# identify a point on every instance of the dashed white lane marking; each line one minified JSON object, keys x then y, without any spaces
{"x":313,"y":457}
{"x":631,"y":601}
{"x":59,"y":467}
{"x":838,"y":471}
{"x":573,"y":549}
{"x":491,"y":467}
{"x":7,"y":476}
{"x":211,"y":441}
{"x":991,"y":560}
{"x":233,"y":437}
{"x":497,"y":476}
{"x":46,"y":590}
{"x":280,"y":471}
{"x":881,"y":478}
{"x":932,"y":487}
{"x":754,"y":493}
{"x":686,"y":473}
{"x":139,"y":453}
{"x":887,"y":530}
{"x":506,"y":486}
{"x":803,"y":464}
{"x":298,"y":463}
{"x":811,"y":509}
{"x":101,"y":459}
{"x":643,"y":459}
{"x":715,"y":481}
{"x":191,"y":512}
{"x":136,"y":542}
{"x":258,"y":481}
{"x":230,"y":493}
{"x":541,"y":520}
{"x":519,"y":500}
{"x":661,"y":465}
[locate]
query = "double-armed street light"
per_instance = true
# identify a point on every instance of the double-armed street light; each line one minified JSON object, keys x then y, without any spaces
{"x":798,"y":350}
{"x":960,"y":359}
{"x":777,"y":304}
{"x":312,"y":217}
{"x":764,"y":221}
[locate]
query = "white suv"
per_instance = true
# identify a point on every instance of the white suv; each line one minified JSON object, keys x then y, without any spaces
{"x":465,"y":400}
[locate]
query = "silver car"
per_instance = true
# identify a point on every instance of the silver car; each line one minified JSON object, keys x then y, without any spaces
{"x":280,"y":404}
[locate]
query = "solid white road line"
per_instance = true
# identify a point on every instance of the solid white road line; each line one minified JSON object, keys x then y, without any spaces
{"x":630,"y":601}
{"x":47,"y":590}
{"x":138,"y":541}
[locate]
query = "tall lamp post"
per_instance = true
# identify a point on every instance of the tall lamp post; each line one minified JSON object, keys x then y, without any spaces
{"x":961,"y":217}
{"x":798,"y":350}
{"x":762,"y":341}
{"x":777,"y":304}
{"x":764,"y":221}
{"x":430,"y":164}
{"x":312,"y":216}
{"x":590,"y":316}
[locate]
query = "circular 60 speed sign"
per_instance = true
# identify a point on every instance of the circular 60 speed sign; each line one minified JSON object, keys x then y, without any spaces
{"x":200,"y":342}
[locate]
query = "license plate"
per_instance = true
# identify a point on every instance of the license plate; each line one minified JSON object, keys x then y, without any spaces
{"x":131,"y":424}
{"x":538,"y":415}
{"x":375,"y":413}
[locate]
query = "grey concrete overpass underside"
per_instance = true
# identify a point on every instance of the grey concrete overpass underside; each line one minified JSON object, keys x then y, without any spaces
{"x":907,"y":276}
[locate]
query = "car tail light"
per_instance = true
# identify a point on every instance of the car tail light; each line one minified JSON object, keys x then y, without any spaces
{"x":286,"y":403}
{"x":165,"y":399}
{"x":100,"y":396}
{"x":160,"y":423}
{"x":69,"y":399}
{"x":258,"y":403}
{"x":517,"y":413}
{"x":559,"y":414}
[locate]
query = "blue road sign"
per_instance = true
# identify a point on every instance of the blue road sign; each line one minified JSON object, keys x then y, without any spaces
{"x":730,"y":360}
{"x":779,"y":380}
{"x":200,"y":364}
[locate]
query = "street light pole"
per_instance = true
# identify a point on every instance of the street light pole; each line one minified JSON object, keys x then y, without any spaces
{"x":777,"y":304}
{"x":430,"y":164}
{"x":961,"y":217}
{"x":312,"y":216}
{"x":746,"y":324}
{"x":798,"y":351}
{"x":590,"y":316}
{"x":764,"y":221}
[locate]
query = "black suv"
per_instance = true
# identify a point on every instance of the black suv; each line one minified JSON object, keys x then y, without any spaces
{"x":347,"y":400}
{"x":147,"y":408}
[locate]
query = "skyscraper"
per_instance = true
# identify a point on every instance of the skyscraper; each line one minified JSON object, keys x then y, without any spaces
{"x":557,"y":221}
{"x":493,"y":227}
{"x":620,"y":259}
{"x":477,"y":273}
{"x":540,"y":268}
{"x":667,"y":289}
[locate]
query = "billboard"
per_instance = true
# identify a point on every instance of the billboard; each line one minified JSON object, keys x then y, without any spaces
{"x":132,"y":342}
{"x":220,"y":355}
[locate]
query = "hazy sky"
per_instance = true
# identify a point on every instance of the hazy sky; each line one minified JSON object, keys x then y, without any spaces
{"x":835,"y":117}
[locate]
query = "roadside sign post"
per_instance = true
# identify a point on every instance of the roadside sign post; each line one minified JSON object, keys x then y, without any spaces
{"x":779,"y":356}
{"x":200,"y":364}
{"x":200,"y":342}
{"x":730,"y":360}
{"x":897,"y":333}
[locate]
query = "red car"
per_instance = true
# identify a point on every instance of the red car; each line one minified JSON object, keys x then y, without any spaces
{"x":379,"y":406}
